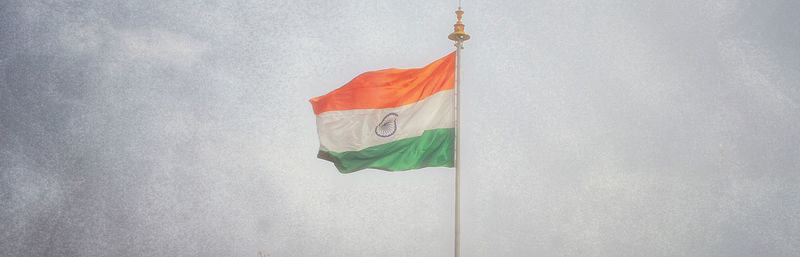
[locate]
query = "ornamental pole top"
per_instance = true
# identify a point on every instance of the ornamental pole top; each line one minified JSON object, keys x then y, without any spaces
{"x":458,"y":34}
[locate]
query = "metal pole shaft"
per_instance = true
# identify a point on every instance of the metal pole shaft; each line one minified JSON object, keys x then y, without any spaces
{"x":458,"y":151}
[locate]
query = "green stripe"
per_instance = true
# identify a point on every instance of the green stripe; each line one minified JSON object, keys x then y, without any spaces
{"x":434,"y":148}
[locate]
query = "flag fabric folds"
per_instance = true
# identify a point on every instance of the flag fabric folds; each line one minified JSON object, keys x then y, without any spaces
{"x":393,"y":119}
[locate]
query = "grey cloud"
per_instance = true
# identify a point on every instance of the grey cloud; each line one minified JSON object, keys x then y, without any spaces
{"x":142,"y":128}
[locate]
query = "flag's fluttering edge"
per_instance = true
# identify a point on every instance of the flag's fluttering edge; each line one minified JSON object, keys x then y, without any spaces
{"x":393,"y":119}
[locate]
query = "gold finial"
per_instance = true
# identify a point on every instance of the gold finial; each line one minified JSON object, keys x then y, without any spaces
{"x":458,"y":34}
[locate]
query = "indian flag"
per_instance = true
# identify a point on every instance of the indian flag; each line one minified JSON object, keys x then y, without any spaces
{"x":393,"y":119}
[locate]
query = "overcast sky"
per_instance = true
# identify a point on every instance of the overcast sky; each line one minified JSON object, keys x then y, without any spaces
{"x":590,"y":128}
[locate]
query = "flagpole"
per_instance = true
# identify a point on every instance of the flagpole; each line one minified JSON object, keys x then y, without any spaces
{"x":459,"y":36}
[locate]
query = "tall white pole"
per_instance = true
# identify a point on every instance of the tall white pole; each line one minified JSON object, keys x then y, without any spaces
{"x":459,"y":36}
{"x":458,"y":152}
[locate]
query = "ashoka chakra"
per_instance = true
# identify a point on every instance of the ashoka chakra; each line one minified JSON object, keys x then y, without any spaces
{"x":388,"y":125}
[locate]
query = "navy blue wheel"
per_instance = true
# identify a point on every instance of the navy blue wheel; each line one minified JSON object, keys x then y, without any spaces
{"x":388,"y":125}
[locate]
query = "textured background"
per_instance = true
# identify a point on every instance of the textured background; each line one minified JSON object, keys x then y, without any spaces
{"x":590,"y":128}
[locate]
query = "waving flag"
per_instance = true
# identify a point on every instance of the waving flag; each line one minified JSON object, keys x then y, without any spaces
{"x":393,"y":119}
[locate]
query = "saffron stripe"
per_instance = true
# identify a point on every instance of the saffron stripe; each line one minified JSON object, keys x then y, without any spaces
{"x":390,"y":87}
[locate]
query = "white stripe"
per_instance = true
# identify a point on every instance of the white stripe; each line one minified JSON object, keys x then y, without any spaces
{"x":352,"y":130}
